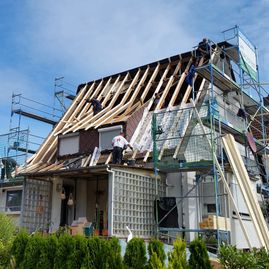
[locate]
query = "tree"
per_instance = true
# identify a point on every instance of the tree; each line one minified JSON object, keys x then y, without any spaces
{"x":199,"y":257}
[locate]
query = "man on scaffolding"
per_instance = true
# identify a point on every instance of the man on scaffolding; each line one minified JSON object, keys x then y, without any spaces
{"x":203,"y":50}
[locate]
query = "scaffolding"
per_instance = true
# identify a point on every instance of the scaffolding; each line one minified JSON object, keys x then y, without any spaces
{"x":20,"y":143}
{"x":229,"y":100}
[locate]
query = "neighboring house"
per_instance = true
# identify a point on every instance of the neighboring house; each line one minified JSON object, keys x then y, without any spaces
{"x":11,"y":191}
{"x":71,"y":175}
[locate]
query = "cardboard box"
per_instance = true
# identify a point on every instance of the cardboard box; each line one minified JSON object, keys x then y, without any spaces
{"x":223,"y":223}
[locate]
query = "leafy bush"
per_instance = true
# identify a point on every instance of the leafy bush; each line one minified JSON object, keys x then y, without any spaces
{"x":155,"y":262}
{"x":177,"y":257}
{"x":79,"y":252}
{"x":18,"y":248}
{"x":135,"y":254}
{"x":48,"y":251}
{"x":156,"y":254}
{"x":156,"y":246}
{"x":32,"y":251}
{"x":199,"y":257}
{"x":7,"y":229}
{"x":231,"y":258}
{"x":262,"y":258}
{"x":66,"y":246}
{"x":114,"y":255}
{"x":97,"y":254}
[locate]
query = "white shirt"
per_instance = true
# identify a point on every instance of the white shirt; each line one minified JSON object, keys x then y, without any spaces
{"x":119,"y":141}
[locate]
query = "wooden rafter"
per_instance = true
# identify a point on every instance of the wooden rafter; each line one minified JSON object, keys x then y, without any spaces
{"x":91,"y":117}
{"x":87,"y":105}
{"x":112,"y":102}
{"x":137,"y":90}
{"x":58,"y":127}
{"x":88,"y":115}
{"x":146,"y":111}
{"x":182,"y":104}
{"x":99,"y":121}
{"x":168,"y":86}
{"x":119,"y":109}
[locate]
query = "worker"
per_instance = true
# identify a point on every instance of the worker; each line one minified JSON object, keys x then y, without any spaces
{"x":157,"y":98}
{"x":96,"y":105}
{"x":191,"y":73}
{"x":203,"y":50}
{"x":119,"y":143}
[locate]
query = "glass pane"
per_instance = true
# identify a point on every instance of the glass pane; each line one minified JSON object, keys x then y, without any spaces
{"x":13,"y":202}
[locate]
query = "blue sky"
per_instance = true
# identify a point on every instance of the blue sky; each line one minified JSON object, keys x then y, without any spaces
{"x":85,"y":40}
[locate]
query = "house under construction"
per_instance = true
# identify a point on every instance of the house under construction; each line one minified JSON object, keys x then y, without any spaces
{"x":200,"y":158}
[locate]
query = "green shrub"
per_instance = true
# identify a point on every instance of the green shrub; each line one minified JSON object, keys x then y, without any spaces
{"x":18,"y":248}
{"x":32,"y":251}
{"x":66,"y":246}
{"x":135,"y":254}
{"x":156,"y":246}
{"x":97,"y":254}
{"x":199,"y":257}
{"x":177,"y":258}
{"x":48,"y":251}
{"x":231,"y":258}
{"x":114,"y":254}
{"x":7,"y":229}
{"x":156,"y":254}
{"x":155,"y":262}
{"x":262,"y":258}
{"x":79,"y":252}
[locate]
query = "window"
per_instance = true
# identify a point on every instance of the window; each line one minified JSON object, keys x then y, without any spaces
{"x":13,"y":201}
{"x":106,"y":135}
{"x":211,"y":208}
{"x":68,"y":144}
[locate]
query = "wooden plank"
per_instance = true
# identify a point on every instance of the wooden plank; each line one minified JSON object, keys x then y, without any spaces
{"x":168,"y":86}
{"x":45,"y":156}
{"x":222,"y":176}
{"x":119,"y":109}
{"x":59,"y":126}
{"x":89,"y":113}
{"x":150,"y":83}
{"x":87,"y":105}
{"x":52,"y":155}
{"x":181,"y":146}
{"x":187,"y":125}
{"x":92,"y":118}
{"x":108,"y":160}
{"x":178,"y":87}
{"x":87,"y":161}
{"x":102,"y":113}
{"x":79,"y":106}
{"x":146,"y":111}
{"x":162,"y":99}
{"x":243,"y":180}
{"x":137,"y":90}
{"x":100,"y":120}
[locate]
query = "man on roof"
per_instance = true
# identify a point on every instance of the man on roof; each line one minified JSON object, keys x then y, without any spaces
{"x":119,"y":143}
{"x":96,"y":105}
